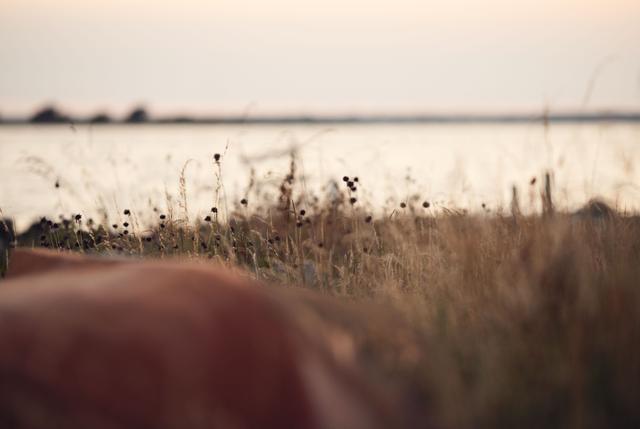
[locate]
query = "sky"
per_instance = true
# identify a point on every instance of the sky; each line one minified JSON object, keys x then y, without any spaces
{"x":301,"y":56}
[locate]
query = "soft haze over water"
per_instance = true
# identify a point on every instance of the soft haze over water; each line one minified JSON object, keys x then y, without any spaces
{"x":462,"y":166}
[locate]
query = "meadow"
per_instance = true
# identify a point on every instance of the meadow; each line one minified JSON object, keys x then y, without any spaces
{"x":482,"y":318}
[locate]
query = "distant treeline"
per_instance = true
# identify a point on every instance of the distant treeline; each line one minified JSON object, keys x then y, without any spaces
{"x":139,"y":115}
{"x":50,"y":115}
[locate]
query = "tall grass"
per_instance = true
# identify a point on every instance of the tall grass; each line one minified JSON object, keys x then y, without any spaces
{"x":473,"y":319}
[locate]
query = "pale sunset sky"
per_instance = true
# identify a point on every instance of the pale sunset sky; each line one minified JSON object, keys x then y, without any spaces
{"x":198,"y":56}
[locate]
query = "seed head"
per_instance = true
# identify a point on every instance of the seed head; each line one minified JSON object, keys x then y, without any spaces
{"x":368,"y":219}
{"x":303,"y":212}
{"x":214,"y":210}
{"x":115,"y":226}
{"x":78,"y":217}
{"x":345,"y":179}
{"x":207,"y":218}
{"x":125,"y":224}
{"x":403,"y":205}
{"x":163,"y":217}
{"x":426,"y":204}
{"x":353,"y":200}
{"x":127,"y":212}
{"x":216,"y":157}
{"x":244,"y":202}
{"x":355,"y":179}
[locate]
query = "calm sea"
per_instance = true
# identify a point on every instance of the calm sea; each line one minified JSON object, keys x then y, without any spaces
{"x":139,"y":167}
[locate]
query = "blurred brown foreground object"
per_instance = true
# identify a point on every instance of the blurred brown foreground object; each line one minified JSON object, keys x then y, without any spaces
{"x":91,"y":343}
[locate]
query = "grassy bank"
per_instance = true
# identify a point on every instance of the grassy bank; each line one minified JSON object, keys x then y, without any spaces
{"x":484,"y":319}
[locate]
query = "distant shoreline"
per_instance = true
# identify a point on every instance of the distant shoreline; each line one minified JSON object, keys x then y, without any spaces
{"x":355,"y":119}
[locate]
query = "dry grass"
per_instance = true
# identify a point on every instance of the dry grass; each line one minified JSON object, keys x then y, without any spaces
{"x":480,"y":320}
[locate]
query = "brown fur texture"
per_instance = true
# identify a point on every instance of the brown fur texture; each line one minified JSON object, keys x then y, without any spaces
{"x":93,"y":343}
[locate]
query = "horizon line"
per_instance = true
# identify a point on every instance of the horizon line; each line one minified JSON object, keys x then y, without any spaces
{"x":139,"y":116}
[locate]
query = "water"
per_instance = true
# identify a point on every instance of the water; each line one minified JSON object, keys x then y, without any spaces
{"x":115,"y":167}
